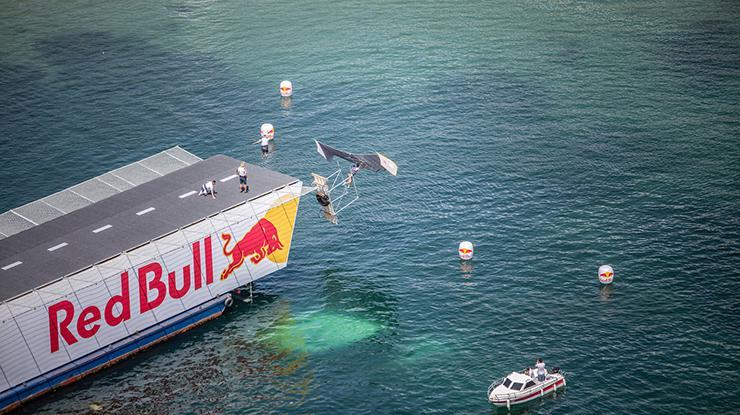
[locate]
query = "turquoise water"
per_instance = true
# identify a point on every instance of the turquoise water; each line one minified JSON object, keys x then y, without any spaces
{"x":555,"y":135}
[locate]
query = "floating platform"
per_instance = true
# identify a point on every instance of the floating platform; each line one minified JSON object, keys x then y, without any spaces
{"x":113,"y":265}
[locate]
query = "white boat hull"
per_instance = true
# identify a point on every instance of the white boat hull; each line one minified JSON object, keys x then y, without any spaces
{"x":553,"y":382}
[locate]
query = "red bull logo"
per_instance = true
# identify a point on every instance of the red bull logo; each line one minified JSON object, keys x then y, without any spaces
{"x":465,"y":250}
{"x":286,"y":88}
{"x":606,"y":274}
{"x":267,"y":130}
{"x":259,"y":242}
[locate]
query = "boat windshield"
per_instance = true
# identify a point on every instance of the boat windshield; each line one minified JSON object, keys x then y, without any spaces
{"x":516,"y":386}
{"x":507,"y":382}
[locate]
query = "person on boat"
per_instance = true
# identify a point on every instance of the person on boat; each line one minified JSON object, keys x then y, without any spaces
{"x":540,"y":365}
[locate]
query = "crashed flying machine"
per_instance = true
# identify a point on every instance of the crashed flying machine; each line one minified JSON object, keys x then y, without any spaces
{"x":331,"y":190}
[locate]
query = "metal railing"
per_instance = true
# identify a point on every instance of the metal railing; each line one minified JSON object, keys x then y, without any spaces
{"x":493,"y":386}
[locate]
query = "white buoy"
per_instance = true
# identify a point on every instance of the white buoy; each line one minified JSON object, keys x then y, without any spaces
{"x":606,"y":274}
{"x":267,"y":130}
{"x":465,"y":250}
{"x":286,"y":88}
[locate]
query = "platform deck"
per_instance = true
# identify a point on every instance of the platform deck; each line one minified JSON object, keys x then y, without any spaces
{"x":50,"y":250}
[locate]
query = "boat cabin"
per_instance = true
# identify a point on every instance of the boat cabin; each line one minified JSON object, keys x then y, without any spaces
{"x":516,"y":382}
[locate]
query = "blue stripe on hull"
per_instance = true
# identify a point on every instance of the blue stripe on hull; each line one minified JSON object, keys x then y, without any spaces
{"x":109,"y":354}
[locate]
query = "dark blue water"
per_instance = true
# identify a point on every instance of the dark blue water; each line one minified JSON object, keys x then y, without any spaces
{"x":557,"y":136}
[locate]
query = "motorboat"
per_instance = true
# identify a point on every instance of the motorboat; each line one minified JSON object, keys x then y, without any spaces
{"x":520,"y":387}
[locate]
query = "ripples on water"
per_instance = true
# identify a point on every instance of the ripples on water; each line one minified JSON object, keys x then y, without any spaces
{"x":555,"y":135}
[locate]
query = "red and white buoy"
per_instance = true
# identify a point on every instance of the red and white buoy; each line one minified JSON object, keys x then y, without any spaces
{"x":606,"y":274}
{"x":286,"y":89}
{"x":267,"y":130}
{"x":465,"y":250}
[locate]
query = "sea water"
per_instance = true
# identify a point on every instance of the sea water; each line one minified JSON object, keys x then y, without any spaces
{"x":555,"y":135}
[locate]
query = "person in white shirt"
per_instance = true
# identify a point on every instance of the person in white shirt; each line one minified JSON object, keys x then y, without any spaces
{"x":265,"y":145}
{"x":242,"y":172}
{"x":541,"y":372}
{"x":208,"y":189}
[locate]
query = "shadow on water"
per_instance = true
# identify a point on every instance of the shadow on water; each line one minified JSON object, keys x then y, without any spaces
{"x":286,"y":102}
{"x":466,"y":269}
{"x":605,"y":292}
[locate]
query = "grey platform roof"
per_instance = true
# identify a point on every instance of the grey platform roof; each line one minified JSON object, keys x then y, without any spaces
{"x":94,"y":190}
{"x":65,"y":244}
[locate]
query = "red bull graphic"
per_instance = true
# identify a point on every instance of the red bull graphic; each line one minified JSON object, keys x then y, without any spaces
{"x":286,"y":89}
{"x":606,"y":274}
{"x":259,"y":242}
{"x":465,"y":250}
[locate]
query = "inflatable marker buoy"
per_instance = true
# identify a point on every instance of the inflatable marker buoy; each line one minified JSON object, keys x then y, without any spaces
{"x":606,"y":274}
{"x":286,"y":89}
{"x":465,"y":250}
{"x":267,"y":130}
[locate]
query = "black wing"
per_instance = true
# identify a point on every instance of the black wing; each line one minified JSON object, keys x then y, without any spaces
{"x":373,"y":162}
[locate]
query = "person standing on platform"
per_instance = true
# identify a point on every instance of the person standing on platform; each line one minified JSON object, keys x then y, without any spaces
{"x":242,"y":172}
